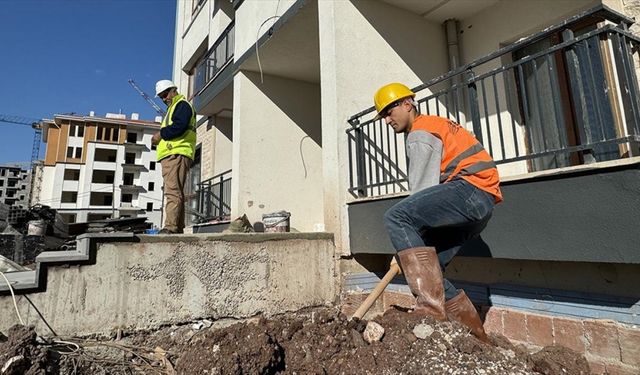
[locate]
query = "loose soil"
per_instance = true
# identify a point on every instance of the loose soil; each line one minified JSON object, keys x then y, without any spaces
{"x":314,"y":341}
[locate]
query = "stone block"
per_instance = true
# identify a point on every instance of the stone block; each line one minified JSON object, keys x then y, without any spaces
{"x":569,"y":333}
{"x":629,"y":345}
{"x":602,"y":339}
{"x":540,"y":329}
{"x":403,"y":300}
{"x":515,"y":325}
{"x":493,"y":321}
{"x":621,"y":369}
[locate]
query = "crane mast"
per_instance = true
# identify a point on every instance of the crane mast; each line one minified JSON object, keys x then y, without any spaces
{"x":146,"y":97}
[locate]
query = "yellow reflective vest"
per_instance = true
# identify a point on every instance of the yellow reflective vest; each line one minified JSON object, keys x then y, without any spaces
{"x":184,"y":144}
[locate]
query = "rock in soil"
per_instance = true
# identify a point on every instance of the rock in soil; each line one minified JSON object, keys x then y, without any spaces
{"x":313,"y":341}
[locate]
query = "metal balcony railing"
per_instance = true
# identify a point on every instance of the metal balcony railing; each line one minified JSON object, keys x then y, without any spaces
{"x":213,"y":197}
{"x":220,"y":54}
{"x":552,"y":100}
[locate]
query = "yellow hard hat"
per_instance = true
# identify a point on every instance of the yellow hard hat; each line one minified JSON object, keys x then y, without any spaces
{"x":390,"y":93}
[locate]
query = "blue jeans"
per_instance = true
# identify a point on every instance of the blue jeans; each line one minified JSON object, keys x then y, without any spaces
{"x":444,"y":216}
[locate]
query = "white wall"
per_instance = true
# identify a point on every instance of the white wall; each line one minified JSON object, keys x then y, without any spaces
{"x":271,"y":123}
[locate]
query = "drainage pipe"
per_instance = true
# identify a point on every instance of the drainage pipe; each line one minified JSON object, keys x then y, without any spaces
{"x":452,"y":34}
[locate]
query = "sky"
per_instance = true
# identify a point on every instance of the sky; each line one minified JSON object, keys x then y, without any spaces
{"x":62,"y":56}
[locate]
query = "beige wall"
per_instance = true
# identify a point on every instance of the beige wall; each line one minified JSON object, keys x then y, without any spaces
{"x":253,"y":13}
{"x":361,"y":50}
{"x":272,"y":122}
{"x":223,"y":149}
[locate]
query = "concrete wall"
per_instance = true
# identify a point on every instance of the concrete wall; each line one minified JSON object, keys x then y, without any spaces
{"x":277,"y":161}
{"x":167,"y":280}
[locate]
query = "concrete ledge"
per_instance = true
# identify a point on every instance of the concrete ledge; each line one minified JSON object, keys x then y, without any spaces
{"x":172,"y":279}
{"x":30,"y":281}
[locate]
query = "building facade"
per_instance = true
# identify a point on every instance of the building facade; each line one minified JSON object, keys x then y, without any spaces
{"x":15,"y":186}
{"x":550,"y":88}
{"x":101,"y":167}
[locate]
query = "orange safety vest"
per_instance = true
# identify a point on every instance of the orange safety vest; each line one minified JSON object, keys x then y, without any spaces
{"x":462,"y":155}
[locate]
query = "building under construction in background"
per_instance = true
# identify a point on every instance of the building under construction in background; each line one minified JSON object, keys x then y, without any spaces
{"x":101,"y":167}
{"x":15,"y":186}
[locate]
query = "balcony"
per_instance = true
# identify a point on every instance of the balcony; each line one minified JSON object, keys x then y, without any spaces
{"x":133,"y":167}
{"x":573,"y":103}
{"x":128,"y":207}
{"x":132,"y":189}
{"x":135,"y":147}
{"x":219,"y":57}
{"x":559,"y":111}
{"x":212,"y":198}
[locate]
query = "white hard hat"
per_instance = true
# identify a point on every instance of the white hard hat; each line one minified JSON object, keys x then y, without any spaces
{"x":163,"y":85}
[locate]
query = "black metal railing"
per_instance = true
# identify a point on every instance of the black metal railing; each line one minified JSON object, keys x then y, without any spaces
{"x":214,"y":197}
{"x":220,"y":54}
{"x":551,"y":105}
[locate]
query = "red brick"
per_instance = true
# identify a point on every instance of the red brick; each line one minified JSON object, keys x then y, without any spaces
{"x":350,"y":302}
{"x":602,"y":339}
{"x":629,"y":345}
{"x":540,"y":329}
{"x":515,"y":326}
{"x":493,"y":321}
{"x":621,"y":369}
{"x":404,"y":300}
{"x":569,"y":333}
{"x":597,"y":367}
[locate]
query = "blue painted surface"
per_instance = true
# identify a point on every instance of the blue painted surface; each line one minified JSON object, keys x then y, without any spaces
{"x":578,"y":305}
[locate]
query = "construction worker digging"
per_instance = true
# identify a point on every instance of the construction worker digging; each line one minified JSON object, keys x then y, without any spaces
{"x":454,"y":186}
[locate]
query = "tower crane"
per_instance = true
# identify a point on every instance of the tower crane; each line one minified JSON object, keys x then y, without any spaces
{"x":146,"y":97}
{"x":37,"y":136}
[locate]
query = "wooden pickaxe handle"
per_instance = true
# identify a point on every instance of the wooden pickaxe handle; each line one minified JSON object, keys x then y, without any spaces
{"x":394,"y":270}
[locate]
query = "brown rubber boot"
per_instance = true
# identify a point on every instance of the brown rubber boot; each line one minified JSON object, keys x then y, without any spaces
{"x":461,"y":310}
{"x":422,"y":271}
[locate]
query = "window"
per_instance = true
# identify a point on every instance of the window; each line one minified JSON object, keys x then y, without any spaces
{"x":69,"y":197}
{"x":152,"y":166}
{"x":130,"y":158}
{"x":127,"y":179}
{"x":127,"y":198}
{"x":80,"y":131}
{"x":107,"y":155}
{"x":0,"y":193}
{"x":102,"y":176}
{"x":72,"y":174}
{"x":72,"y":130}
{"x":107,"y":133}
{"x":149,"y":206}
{"x":132,"y":137}
{"x":22,"y":197}
{"x":153,"y":148}
{"x":74,"y":152}
{"x":1,"y":182}
{"x":68,"y":218}
{"x":151,"y":186}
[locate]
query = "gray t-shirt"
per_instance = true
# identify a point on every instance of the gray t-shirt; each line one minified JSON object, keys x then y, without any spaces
{"x":424,"y":151}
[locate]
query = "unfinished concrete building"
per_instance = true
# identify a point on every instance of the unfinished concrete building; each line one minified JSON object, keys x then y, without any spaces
{"x":285,"y":91}
{"x":15,"y":185}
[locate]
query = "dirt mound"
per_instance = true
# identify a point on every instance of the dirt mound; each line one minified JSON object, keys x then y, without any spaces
{"x":20,"y":354}
{"x":315,"y":341}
